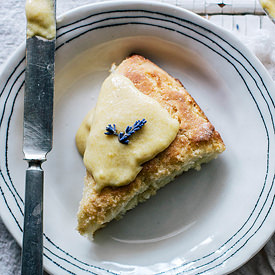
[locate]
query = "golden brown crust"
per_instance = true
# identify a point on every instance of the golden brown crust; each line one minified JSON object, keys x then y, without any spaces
{"x":196,"y":142}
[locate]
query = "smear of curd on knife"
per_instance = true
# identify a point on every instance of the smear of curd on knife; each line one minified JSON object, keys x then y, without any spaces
{"x":40,"y":18}
{"x":110,"y":162}
{"x":269,"y":6}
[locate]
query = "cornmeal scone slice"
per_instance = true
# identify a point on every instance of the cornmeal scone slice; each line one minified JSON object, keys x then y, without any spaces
{"x":196,"y":142}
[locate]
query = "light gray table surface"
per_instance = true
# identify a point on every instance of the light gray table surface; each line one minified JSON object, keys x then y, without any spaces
{"x":12,"y":34}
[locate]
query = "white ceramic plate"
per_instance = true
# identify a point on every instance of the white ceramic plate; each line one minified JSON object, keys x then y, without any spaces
{"x":207,"y":222}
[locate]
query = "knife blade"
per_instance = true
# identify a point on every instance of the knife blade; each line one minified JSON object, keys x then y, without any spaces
{"x":37,"y":142}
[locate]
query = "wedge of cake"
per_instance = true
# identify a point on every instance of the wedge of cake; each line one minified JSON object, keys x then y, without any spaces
{"x":196,"y":142}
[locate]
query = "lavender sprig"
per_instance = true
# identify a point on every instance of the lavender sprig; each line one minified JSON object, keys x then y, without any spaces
{"x":130,"y":130}
{"x":123,"y":137}
{"x":111,"y":130}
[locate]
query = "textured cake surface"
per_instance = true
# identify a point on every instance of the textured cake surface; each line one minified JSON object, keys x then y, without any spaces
{"x":196,"y":142}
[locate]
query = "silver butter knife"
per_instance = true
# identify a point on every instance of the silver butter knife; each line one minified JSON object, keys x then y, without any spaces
{"x":38,"y":128}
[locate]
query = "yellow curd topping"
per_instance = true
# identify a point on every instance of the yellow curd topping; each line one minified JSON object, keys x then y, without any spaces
{"x":269,"y":6}
{"x":84,"y":131}
{"x":110,"y":162}
{"x":40,"y":18}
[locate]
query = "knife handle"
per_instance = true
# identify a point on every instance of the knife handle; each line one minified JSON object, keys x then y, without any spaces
{"x":32,"y":253}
